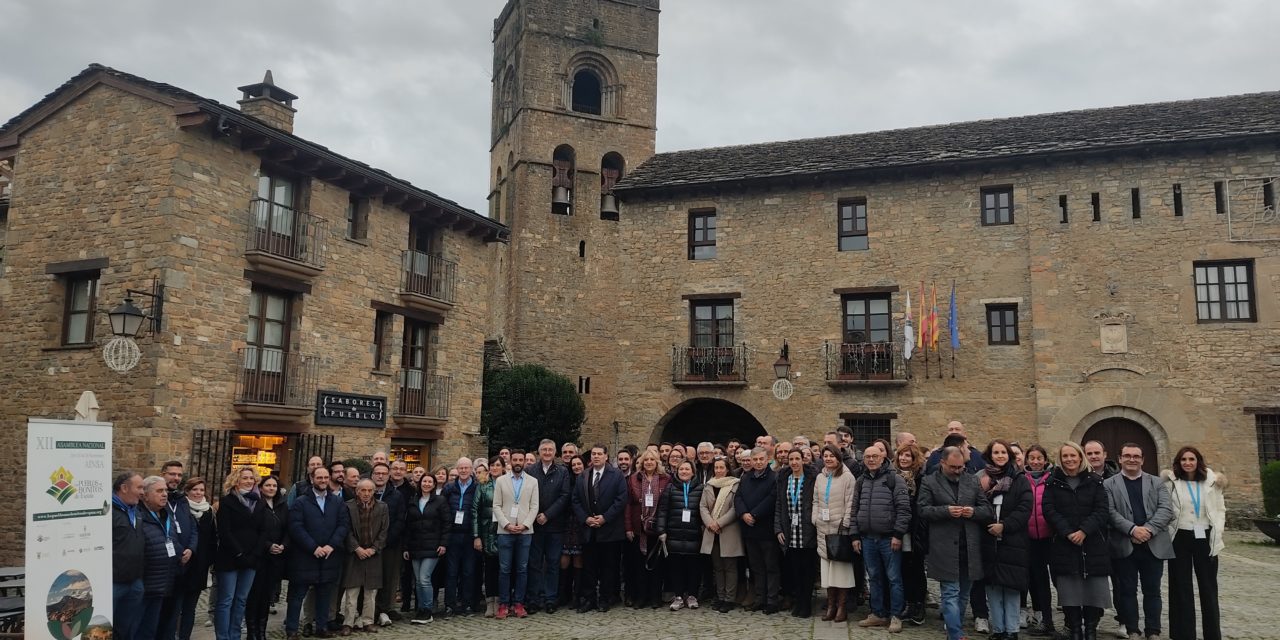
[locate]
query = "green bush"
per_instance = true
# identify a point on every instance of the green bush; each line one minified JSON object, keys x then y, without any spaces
{"x":528,"y":403}
{"x":1271,"y":488}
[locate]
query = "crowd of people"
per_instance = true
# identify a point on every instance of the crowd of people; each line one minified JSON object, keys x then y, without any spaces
{"x":716,"y":526}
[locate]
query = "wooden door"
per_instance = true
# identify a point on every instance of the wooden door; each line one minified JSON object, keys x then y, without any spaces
{"x":1115,"y":432}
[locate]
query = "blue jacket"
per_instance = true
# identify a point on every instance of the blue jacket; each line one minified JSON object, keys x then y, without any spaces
{"x":553,"y":495}
{"x":452,"y":494}
{"x":396,"y":509}
{"x":160,"y":570}
{"x":309,"y":527}
{"x":610,"y":502}
{"x":757,"y":496}
{"x":184,"y":526}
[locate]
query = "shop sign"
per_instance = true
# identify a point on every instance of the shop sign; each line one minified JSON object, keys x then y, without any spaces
{"x":351,"y":410}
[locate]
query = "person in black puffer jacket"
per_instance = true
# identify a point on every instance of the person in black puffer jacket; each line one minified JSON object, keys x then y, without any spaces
{"x":1005,"y":543}
{"x":679,"y":526}
{"x":128,"y":552}
{"x":266,"y":582}
{"x":1075,"y":504}
{"x":427,"y":524}
{"x":241,"y":536}
{"x":163,"y":553}
{"x":196,"y":577}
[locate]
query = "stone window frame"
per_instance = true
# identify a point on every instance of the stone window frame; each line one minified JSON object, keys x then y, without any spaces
{"x":1268,"y":432}
{"x":853,"y":233}
{"x":703,"y":236}
{"x":382,"y":328}
{"x":867,"y":298}
{"x":358,"y":217}
{"x":1207,"y":288}
{"x":997,"y":314}
{"x":991,"y":216}
{"x":715,"y":305}
{"x":71,"y":281}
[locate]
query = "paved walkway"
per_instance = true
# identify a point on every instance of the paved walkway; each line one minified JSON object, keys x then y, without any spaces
{"x":1248,"y":574}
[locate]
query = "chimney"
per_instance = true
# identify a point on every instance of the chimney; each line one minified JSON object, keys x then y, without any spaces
{"x":269,"y":103}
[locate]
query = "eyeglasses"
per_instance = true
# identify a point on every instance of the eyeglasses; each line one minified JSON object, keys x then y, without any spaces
{"x":1131,"y":456}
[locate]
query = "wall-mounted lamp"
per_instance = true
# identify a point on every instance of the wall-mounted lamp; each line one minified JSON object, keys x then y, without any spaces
{"x":127,"y":319}
{"x":782,"y":367}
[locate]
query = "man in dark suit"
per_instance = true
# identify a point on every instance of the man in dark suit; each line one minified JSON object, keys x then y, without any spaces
{"x":598,"y":503}
{"x":548,"y":530}
{"x":392,"y":557}
{"x":318,"y":527}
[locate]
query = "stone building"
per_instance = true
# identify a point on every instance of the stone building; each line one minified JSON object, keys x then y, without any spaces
{"x":312,"y":304}
{"x":1116,"y":270}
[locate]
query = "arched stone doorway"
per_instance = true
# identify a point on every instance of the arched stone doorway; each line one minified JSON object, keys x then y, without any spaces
{"x":1115,"y":432}
{"x":707,"y":419}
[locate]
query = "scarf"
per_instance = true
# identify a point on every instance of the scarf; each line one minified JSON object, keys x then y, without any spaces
{"x":247,"y":498}
{"x":997,"y":480}
{"x":908,"y":477}
{"x":364,"y":524}
{"x":198,"y":508}
{"x":1037,"y":477}
{"x":647,"y":484}
{"x":723,"y":498}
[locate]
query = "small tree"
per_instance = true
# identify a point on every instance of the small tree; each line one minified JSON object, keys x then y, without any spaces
{"x":360,"y":463}
{"x":528,"y":403}
{"x":1271,"y":489}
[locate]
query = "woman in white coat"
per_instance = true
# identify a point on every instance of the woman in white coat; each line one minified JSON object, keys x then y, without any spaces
{"x":1201,"y":516}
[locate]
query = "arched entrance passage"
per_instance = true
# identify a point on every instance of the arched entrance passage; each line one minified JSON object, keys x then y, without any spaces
{"x":1115,"y":432}
{"x":708,"y":419}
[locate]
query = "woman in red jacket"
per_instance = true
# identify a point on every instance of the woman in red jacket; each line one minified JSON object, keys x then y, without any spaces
{"x":1037,"y":471}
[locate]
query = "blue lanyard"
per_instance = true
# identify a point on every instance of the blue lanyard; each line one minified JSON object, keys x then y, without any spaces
{"x":794,"y":492}
{"x":686,"y":496}
{"x":166,"y":523}
{"x":1195,"y":496}
{"x":517,"y":485}
{"x":462,"y":494}
{"x":828,"y":499}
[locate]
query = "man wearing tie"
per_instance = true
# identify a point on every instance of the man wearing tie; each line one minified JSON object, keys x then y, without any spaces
{"x":598,"y":505}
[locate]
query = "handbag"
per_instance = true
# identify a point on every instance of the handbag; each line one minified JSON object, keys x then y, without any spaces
{"x":840,"y":547}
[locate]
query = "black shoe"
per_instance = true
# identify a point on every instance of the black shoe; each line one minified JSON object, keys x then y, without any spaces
{"x":604,"y":607}
{"x":308,"y":630}
{"x":585,"y":606}
{"x":769,"y":609}
{"x":532,"y":609}
{"x":421,"y":617}
{"x":551,"y":608}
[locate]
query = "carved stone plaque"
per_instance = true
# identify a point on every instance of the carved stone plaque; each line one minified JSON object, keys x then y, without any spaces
{"x":1115,"y":338}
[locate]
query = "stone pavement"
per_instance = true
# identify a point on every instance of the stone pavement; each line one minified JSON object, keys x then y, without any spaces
{"x":1248,"y":573}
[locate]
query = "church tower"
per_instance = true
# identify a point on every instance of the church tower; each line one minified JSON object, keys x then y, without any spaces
{"x":574,"y":108}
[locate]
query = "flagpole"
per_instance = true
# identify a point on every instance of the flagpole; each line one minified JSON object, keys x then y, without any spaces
{"x":954,"y":326}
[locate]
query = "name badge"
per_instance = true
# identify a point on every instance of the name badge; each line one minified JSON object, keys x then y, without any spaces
{"x":515,"y":511}
{"x":177,"y":525}
{"x":1201,"y":532}
{"x":168,"y":547}
{"x":824,"y":515}
{"x":686,"y":515}
{"x":457,"y":517}
{"x":648,"y":500}
{"x":795,"y":520}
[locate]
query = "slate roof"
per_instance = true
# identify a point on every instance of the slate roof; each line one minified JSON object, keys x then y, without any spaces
{"x":215,"y":107}
{"x":1086,"y":131}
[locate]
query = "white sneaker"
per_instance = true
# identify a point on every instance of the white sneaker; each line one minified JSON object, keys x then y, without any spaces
{"x":691,"y":602}
{"x":384,"y":620}
{"x":980,"y":625}
{"x":1121,"y":631}
{"x":677,"y":603}
{"x":1024,"y":618}
{"x":1037,"y":619}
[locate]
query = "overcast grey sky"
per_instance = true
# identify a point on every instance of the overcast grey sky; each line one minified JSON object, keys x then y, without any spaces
{"x":404,"y":86}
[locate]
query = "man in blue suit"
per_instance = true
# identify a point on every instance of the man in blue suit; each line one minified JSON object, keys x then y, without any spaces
{"x":598,"y":502}
{"x":318,"y":527}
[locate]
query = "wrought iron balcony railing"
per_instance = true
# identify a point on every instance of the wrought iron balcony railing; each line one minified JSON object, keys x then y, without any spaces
{"x":709,"y":364}
{"x":867,"y":361}
{"x":278,"y":377}
{"x":429,"y":275}
{"x":281,"y":231}
{"x":424,"y":395}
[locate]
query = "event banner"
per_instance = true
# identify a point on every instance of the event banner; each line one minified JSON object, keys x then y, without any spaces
{"x":68,"y":570}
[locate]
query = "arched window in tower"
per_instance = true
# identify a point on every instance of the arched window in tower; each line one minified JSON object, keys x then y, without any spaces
{"x":611,"y":168}
{"x":587,"y":92}
{"x":497,"y":197}
{"x":562,"y":160}
{"x":507,"y":97}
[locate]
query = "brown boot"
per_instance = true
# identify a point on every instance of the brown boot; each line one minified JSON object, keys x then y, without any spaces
{"x":830,"y":612}
{"x":841,"y":596}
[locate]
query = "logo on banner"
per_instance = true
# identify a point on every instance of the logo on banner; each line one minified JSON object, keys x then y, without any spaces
{"x":62,"y":489}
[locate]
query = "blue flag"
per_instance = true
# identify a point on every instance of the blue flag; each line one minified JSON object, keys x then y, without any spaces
{"x":955,"y":325}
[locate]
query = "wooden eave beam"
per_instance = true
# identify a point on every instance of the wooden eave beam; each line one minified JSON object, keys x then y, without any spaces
{"x":413,"y":205}
{"x":332,"y":174}
{"x":309,"y":165}
{"x":254,"y":143}
{"x":285,"y":154}
{"x":376,"y":191}
{"x":394,"y":198}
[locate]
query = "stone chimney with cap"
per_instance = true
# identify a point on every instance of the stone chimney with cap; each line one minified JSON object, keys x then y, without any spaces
{"x":269,"y":103}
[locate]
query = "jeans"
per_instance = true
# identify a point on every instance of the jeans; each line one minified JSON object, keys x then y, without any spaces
{"x":233,"y":591}
{"x":126,"y":601}
{"x":1142,"y":566}
{"x":149,"y":618}
{"x":513,"y":561}
{"x":461,"y":558}
{"x":881,"y":561}
{"x":422,"y":569}
{"x":298,"y":593}
{"x":167,"y":627}
{"x":955,"y":596}
{"x":1004,"y":608}
{"x":544,"y":560}
{"x":187,"y":612}
{"x":1192,"y":554}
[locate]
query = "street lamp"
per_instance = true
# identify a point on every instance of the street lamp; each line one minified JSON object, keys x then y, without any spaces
{"x":126,"y":319}
{"x":782,"y":367}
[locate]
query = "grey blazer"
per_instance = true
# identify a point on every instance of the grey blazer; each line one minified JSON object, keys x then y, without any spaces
{"x":1160,"y":516}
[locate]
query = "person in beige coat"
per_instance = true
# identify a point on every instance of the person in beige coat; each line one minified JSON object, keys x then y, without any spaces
{"x":722,"y":538}
{"x":833,"y":515}
{"x":515,"y":505}
{"x":366,"y":540}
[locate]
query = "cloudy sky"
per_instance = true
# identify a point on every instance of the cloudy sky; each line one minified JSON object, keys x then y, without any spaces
{"x":404,"y":85}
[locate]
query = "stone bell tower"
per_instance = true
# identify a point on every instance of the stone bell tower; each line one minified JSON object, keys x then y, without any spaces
{"x":574,"y":108}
